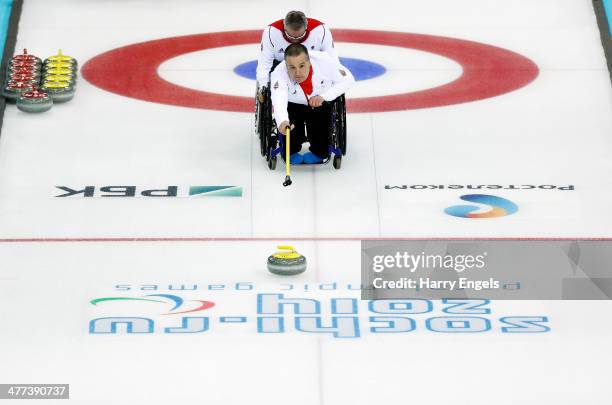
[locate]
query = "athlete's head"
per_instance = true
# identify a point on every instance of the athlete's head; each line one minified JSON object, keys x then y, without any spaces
{"x":298,"y":62}
{"x":295,"y":26}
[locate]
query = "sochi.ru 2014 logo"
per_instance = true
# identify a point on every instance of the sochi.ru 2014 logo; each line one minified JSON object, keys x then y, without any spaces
{"x":274,"y":313}
{"x":500,"y":207}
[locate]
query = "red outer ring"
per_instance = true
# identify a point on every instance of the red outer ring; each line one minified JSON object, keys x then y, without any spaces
{"x":488,"y":71}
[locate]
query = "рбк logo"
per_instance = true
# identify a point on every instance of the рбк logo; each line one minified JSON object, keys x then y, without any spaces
{"x":135,"y":191}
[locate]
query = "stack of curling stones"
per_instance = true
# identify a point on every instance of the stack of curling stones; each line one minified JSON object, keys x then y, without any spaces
{"x":287,"y":262}
{"x":35,"y":85}
{"x":22,"y":75}
{"x":59,"y":77}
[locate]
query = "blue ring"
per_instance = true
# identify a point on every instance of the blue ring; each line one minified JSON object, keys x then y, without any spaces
{"x":361,"y":69}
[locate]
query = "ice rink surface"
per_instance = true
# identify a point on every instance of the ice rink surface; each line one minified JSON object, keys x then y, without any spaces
{"x":544,"y":146}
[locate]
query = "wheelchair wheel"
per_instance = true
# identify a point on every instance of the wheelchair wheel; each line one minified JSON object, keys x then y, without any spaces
{"x":259,"y":127}
{"x":258,"y":122}
{"x":337,"y":131}
{"x":263,"y":121}
{"x":342,"y":125}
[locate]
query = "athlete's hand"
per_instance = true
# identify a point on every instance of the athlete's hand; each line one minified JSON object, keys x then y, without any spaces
{"x":316,"y":101}
{"x":283,"y":127}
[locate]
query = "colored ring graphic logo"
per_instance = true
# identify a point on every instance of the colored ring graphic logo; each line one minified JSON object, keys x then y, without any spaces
{"x":500,"y":207}
{"x":175,"y":300}
{"x":487,"y":71}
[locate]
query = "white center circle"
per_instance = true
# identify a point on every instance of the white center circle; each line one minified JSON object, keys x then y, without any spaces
{"x":407,"y":70}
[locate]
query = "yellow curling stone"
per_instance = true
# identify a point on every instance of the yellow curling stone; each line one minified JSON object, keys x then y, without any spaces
{"x":287,"y":262}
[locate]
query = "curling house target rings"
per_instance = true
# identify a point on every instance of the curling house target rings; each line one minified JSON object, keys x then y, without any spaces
{"x":488,"y":71}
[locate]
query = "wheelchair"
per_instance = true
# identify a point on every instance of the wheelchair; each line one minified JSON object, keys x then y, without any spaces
{"x":271,"y":144}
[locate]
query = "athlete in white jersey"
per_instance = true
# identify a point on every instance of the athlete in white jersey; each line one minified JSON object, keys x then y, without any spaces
{"x":294,"y":29}
{"x":300,"y":86}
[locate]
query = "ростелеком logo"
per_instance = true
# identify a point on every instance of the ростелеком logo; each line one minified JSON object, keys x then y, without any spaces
{"x":500,"y":207}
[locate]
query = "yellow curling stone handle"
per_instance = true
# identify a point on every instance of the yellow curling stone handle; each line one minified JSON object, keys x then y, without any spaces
{"x":289,"y":254}
{"x":60,"y":57}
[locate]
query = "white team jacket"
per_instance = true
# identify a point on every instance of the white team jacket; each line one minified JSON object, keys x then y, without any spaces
{"x":329,"y":80}
{"x":273,"y":45}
